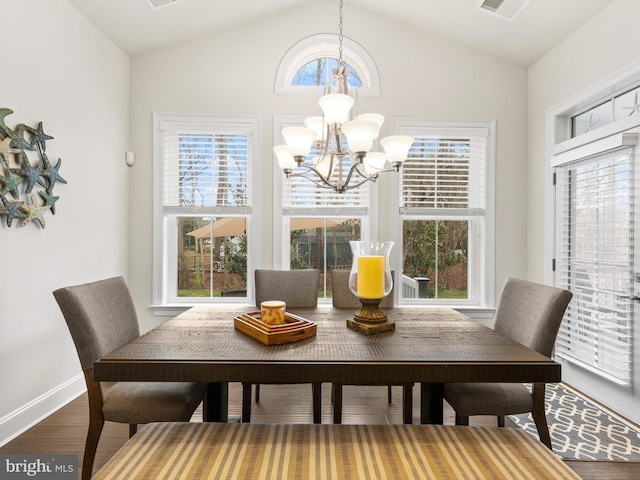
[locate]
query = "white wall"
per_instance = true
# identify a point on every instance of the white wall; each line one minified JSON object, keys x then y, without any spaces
{"x":423,"y":76}
{"x":605,"y":45}
{"x":65,"y":73}
{"x":59,"y":70}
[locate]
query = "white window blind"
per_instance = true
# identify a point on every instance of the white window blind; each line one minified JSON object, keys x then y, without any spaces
{"x":206,"y":168}
{"x":595,"y":261}
{"x":299,"y":192}
{"x":444,"y":172}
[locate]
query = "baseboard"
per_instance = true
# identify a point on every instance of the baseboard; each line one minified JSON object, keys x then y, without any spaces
{"x":28,"y":415}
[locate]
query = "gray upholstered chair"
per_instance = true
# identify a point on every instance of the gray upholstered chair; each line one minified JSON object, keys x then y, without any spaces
{"x":530,"y":314}
{"x":298,"y":289}
{"x":342,"y":297}
{"x":101,"y":318}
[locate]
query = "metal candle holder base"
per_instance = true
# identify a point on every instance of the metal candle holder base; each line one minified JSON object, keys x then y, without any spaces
{"x":370,"y":319}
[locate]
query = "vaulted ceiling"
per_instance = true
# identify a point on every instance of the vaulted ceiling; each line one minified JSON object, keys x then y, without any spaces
{"x":137,"y":28}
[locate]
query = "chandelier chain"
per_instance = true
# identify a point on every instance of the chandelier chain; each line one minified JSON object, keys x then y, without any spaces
{"x":340,"y":36}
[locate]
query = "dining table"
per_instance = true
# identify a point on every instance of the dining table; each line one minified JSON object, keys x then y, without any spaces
{"x":430,"y":346}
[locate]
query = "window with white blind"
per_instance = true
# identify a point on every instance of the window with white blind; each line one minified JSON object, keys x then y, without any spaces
{"x":203,"y":199}
{"x":313,"y":225}
{"x":445,"y":211}
{"x":594,"y":259}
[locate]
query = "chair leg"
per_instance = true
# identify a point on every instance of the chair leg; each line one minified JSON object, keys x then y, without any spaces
{"x":333,"y":392}
{"x":389,"y":394}
{"x":257,"y":392}
{"x":96,"y":423}
{"x":246,"y":402}
{"x":460,"y":420}
{"x":337,"y":403}
{"x":133,"y":428}
{"x":90,"y":447}
{"x":500,"y":420}
{"x":538,"y":414}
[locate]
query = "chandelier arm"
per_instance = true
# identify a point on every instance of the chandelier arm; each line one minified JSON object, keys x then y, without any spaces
{"x":325,"y":153}
{"x":365,"y":178}
{"x":390,"y":169}
{"x":372,"y":178}
{"x":353,"y":168}
{"x":363,"y":175}
{"x":324,"y":183}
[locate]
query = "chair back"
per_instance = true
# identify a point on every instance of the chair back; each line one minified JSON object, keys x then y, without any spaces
{"x":531,"y":313}
{"x":341,"y":294}
{"x":297,"y":288}
{"x":101,"y":317}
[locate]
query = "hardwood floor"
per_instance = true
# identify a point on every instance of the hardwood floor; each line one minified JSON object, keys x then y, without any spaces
{"x":64,"y":431}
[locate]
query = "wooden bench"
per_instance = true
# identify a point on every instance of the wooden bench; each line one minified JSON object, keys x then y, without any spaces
{"x":271,"y":451}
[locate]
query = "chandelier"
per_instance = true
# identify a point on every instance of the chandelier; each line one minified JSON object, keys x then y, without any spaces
{"x":327,"y":134}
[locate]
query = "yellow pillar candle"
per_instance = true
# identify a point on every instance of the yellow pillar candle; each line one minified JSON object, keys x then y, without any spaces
{"x":273,"y":312}
{"x":371,"y":276}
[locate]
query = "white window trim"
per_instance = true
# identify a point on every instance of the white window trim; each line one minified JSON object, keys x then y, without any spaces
{"x":485,"y":290}
{"x":161,"y":267}
{"x":558,"y":140}
{"x":325,"y":45}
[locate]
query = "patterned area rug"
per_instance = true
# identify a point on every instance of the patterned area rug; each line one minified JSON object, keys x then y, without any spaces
{"x":581,"y":430}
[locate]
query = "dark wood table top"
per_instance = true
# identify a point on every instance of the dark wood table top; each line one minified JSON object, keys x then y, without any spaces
{"x":429,"y":345}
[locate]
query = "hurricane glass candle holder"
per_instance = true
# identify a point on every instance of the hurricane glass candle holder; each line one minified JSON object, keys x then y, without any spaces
{"x":370,"y":280}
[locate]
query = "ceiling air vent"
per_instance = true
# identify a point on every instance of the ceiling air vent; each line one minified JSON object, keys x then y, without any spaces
{"x":156,"y":4}
{"x":505,"y":9}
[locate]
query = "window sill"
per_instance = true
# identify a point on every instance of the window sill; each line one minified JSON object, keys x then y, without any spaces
{"x":477,"y":313}
{"x":175,"y":309}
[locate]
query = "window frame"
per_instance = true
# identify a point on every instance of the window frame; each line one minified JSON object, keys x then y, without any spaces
{"x":368,"y":214}
{"x":320,"y":46}
{"x":482,"y":271}
{"x":164,"y":265}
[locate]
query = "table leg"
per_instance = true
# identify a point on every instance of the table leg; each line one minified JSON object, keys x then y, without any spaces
{"x":216,"y":402}
{"x":316,"y":389}
{"x":431,"y":403}
{"x":407,"y":403}
{"x":246,"y":402}
{"x":337,"y":403}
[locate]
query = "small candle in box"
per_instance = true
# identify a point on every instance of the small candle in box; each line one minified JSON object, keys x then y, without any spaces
{"x":273,"y":312}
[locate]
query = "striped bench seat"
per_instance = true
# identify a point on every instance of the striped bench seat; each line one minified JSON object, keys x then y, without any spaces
{"x":269,"y":451}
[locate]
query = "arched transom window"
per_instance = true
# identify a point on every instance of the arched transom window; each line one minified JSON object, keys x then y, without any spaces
{"x":306,"y":67}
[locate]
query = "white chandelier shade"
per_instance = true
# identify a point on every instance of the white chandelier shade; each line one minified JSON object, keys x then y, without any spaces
{"x":285,"y":159}
{"x":323,"y":166}
{"x":360,"y":135}
{"x":375,"y":162}
{"x":318,"y":125}
{"x":299,"y":140}
{"x":372,"y":117}
{"x":336,"y":107}
{"x":397,"y":147}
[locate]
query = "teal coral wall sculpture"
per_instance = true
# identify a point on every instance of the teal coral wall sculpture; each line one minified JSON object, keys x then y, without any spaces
{"x":20,"y":178}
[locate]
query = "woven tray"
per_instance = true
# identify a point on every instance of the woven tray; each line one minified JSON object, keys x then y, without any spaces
{"x":295,"y":329}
